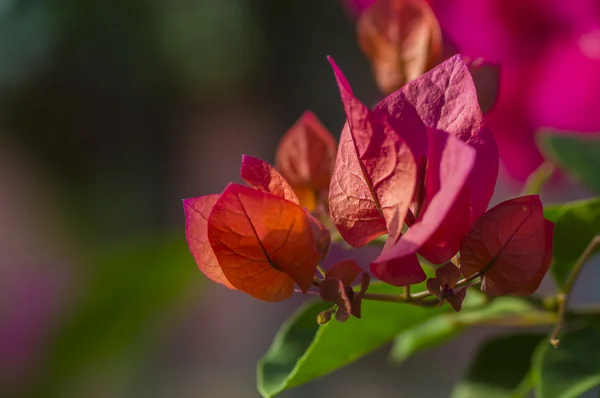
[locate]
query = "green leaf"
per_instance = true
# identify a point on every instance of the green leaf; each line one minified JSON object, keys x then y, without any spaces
{"x":444,"y":327}
{"x":576,"y":224}
{"x":429,"y":334}
{"x":301,"y":352}
{"x":577,"y":154}
{"x":129,"y":291}
{"x":500,"y":368}
{"x":569,"y":370}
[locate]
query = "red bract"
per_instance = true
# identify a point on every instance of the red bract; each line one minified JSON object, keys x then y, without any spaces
{"x":437,"y":121}
{"x":443,"y":219}
{"x":259,"y":241}
{"x":445,"y":99}
{"x":444,"y":283}
{"x":511,"y":245}
{"x":401,"y":38}
{"x":375,"y":176}
{"x":305,"y":158}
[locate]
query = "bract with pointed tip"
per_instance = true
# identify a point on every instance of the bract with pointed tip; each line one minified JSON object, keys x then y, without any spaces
{"x":262,"y":242}
{"x":445,"y":99}
{"x":261,"y":175}
{"x":305,"y":157}
{"x":375,"y":171}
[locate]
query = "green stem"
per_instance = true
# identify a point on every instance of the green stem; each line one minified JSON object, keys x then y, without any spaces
{"x":538,"y":178}
{"x":321,"y":270}
{"x":396,"y":298}
{"x":416,"y":298}
{"x":564,"y":294}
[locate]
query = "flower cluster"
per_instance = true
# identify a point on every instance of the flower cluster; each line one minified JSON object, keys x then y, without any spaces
{"x":419,"y":168}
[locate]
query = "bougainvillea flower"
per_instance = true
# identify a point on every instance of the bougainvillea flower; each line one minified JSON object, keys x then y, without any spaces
{"x":443,"y":286}
{"x":260,"y":175}
{"x":336,"y":288}
{"x":435,"y":124}
{"x":401,"y":38}
{"x":445,"y":99}
{"x":549,"y":58}
{"x":305,"y":158}
{"x":258,"y":240}
{"x":511,"y":246}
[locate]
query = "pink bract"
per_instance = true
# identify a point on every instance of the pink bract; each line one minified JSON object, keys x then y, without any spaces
{"x":549,"y":58}
{"x":437,"y":117}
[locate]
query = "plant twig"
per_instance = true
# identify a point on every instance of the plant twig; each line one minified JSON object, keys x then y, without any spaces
{"x":321,"y":270}
{"x":538,"y":178}
{"x":564,"y":294}
{"x":398,"y":298}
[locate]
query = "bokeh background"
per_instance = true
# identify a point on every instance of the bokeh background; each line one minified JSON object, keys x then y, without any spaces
{"x":111,"y":113}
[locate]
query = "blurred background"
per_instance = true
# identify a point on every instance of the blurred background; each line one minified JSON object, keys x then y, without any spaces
{"x":110,"y":114}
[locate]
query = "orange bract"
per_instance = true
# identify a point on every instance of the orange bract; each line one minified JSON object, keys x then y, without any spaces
{"x":262,"y":242}
{"x":401,"y":38}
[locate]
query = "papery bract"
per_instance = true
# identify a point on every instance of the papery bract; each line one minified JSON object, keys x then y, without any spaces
{"x":262,"y":176}
{"x":305,"y":157}
{"x":262,"y":242}
{"x":445,"y":99}
{"x":374,"y":177}
{"x":197,"y":211}
{"x":437,"y":117}
{"x":445,"y":215}
{"x":401,"y":38}
{"x":532,"y":285}
{"x":510,"y":245}
{"x":444,"y":220}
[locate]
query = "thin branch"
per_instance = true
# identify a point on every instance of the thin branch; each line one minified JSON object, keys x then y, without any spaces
{"x":397,"y":298}
{"x":538,"y":178}
{"x":565,"y":292}
{"x":321,"y":270}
